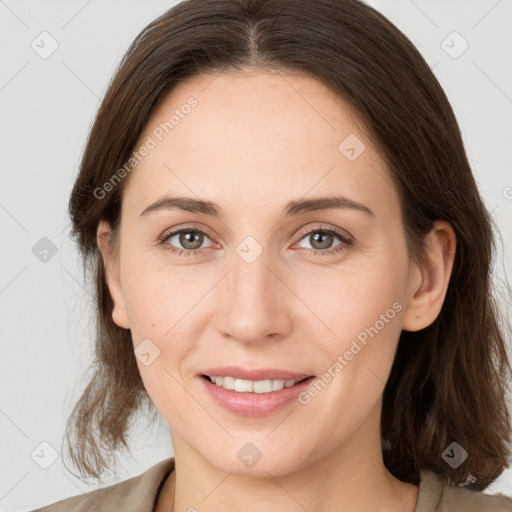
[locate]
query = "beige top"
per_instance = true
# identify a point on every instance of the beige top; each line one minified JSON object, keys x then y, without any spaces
{"x":139,"y":494}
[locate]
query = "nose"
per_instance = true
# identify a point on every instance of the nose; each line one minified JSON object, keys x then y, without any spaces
{"x":256,"y":305}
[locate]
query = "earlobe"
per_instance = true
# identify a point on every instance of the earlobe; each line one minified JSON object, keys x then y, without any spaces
{"x":120,"y":317}
{"x":430,"y":280}
{"x":110,"y":265}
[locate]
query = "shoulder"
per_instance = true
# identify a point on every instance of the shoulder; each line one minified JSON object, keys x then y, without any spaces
{"x":456,"y":498}
{"x":437,"y":496}
{"x":135,"y":494}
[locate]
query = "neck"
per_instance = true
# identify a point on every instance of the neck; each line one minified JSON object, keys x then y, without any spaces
{"x":352,"y":477}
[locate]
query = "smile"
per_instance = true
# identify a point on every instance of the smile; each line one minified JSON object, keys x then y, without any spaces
{"x":251,"y":386}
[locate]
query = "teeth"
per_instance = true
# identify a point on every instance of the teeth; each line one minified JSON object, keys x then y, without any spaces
{"x":251,"y":386}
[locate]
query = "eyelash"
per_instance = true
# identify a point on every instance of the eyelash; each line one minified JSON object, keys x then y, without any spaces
{"x":345,"y":242}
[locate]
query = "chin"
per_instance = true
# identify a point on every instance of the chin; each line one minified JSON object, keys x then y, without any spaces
{"x":256,"y":459}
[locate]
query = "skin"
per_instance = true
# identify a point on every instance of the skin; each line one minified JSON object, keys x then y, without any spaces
{"x":255,"y":141}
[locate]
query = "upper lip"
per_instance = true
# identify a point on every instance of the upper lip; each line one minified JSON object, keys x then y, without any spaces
{"x":254,"y":374}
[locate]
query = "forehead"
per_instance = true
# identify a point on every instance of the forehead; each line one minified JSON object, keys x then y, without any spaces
{"x":264,"y":137}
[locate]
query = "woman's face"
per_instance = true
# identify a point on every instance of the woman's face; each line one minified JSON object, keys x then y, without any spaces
{"x":255,"y":281}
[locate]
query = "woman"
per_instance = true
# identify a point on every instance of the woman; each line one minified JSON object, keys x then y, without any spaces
{"x":293,"y":265}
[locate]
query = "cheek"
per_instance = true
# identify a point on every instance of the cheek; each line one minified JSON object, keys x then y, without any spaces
{"x":363,"y":309}
{"x":160,"y":308}
{"x":167,"y":391}
{"x":160,"y":300}
{"x":365,"y":314}
{"x":350,"y":299}
{"x":161,"y":318}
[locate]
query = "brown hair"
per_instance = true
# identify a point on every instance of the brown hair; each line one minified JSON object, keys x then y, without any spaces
{"x":448,"y":380}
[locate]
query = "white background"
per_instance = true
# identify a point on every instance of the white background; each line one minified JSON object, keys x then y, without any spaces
{"x":47,"y":107}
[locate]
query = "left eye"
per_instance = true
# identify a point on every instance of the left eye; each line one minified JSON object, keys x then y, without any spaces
{"x":323,"y":239}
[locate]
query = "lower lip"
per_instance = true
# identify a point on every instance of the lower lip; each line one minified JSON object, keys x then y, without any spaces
{"x":254,"y":404}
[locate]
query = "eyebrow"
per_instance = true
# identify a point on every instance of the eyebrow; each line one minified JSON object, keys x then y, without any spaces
{"x":292,"y":208}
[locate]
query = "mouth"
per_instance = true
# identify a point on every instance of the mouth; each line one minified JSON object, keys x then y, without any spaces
{"x":253,"y":398}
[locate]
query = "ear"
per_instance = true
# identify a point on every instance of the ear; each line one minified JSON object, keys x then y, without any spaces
{"x":429,"y":281}
{"x":111,"y":266}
